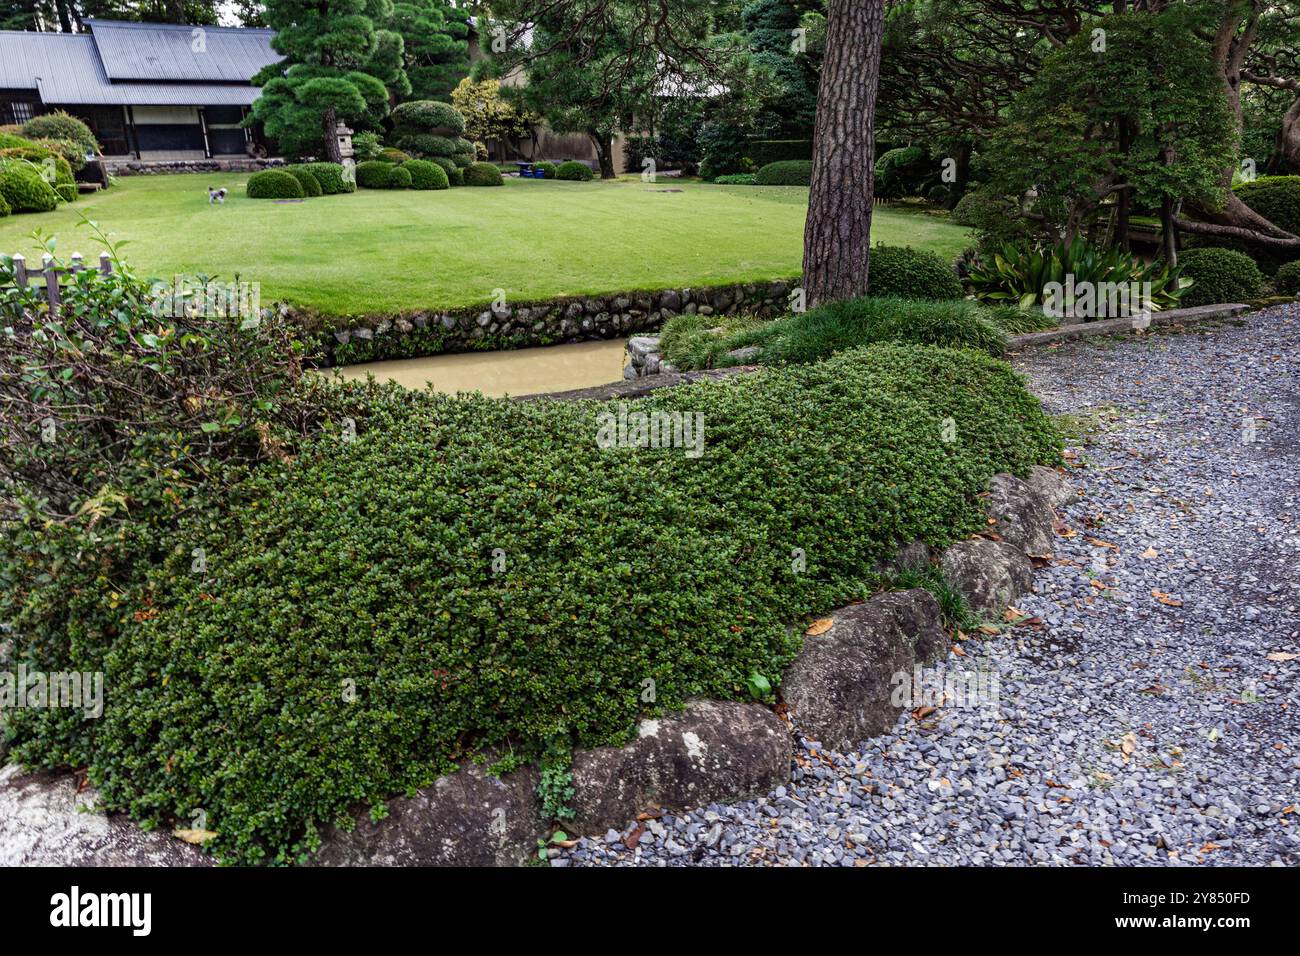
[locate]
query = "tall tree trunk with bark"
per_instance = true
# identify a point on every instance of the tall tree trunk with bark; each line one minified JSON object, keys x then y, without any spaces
{"x":604,"y":153}
{"x":330,"y":126}
{"x":837,"y":234}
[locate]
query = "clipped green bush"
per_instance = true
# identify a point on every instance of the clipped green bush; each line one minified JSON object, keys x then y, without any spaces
{"x":426,"y":174}
{"x":1276,"y":198}
{"x":1218,"y":276}
{"x":399,"y":178}
{"x":46,"y":159}
{"x":456,"y":175}
{"x":483,"y":174}
{"x":734,"y":179}
{"x":373,"y":174}
{"x":24,"y":189}
{"x":394,"y":156}
{"x":333,"y":178}
{"x":67,"y":192}
{"x":356,"y":567}
{"x":5,"y":209}
{"x":1288,"y":278}
{"x":906,"y":273}
{"x":787,"y":172}
{"x":306,"y":179}
{"x":573,"y":171}
{"x":62,"y":126}
{"x":547,"y":170}
{"x":428,"y":116}
{"x":428,"y":145}
{"x":274,"y":184}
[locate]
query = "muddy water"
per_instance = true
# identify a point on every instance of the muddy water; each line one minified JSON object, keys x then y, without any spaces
{"x":553,"y":368}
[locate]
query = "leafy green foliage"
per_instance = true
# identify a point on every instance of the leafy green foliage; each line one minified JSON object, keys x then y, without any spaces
{"x":1276,"y":198}
{"x":906,"y":273}
{"x":1220,"y":275}
{"x":399,"y":177}
{"x":787,"y":172}
{"x":59,"y":125}
{"x":734,"y":179}
{"x":995,"y":219}
{"x":906,"y":171}
{"x":488,"y":114}
{"x":548,"y":170}
{"x":483,"y":174}
{"x":306,"y":179}
{"x":428,"y":116}
{"x":24,"y":188}
{"x":391,"y":155}
{"x":5,"y":209}
{"x":1288,"y":278}
{"x":426,"y":174}
{"x":573,"y":171}
{"x":435,"y":36}
{"x":555,"y":783}
{"x":274,"y":184}
{"x":333,"y":178}
{"x":376,"y":174}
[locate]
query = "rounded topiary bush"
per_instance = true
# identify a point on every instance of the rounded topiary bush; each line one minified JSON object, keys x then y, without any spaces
{"x":399,"y":177}
{"x":373,"y":174}
{"x":306,"y":179}
{"x":4,"y":207}
{"x":456,"y":175}
{"x":45,"y":159}
{"x":901,"y":172}
{"x":1219,"y":275}
{"x":786,"y":172}
{"x":907,"y":273}
{"x":62,"y":126}
{"x":394,"y":156}
{"x":1276,"y":198}
{"x":483,"y":174}
{"x":274,"y":184}
{"x":573,"y":171}
{"x":1288,"y":278}
{"x":426,"y":174}
{"x":428,"y":116}
{"x":67,"y":192}
{"x":547,"y":170}
{"x":334,"y":179}
{"x":25,"y":189}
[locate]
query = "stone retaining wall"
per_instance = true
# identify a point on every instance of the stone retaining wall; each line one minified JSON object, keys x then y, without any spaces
{"x":146,"y":167}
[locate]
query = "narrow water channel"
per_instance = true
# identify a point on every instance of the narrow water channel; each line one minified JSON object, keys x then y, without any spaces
{"x":552,"y":368}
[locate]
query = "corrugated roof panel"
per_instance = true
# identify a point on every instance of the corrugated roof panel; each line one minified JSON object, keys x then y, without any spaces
{"x":154,"y":52}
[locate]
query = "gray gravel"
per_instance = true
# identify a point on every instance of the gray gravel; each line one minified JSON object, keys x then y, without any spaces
{"x":1130,"y":727}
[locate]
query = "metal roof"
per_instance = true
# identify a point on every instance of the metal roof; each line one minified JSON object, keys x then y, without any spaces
{"x":66,"y":68}
{"x":154,"y":52}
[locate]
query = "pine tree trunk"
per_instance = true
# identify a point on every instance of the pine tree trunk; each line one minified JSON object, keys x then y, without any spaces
{"x":837,"y":234}
{"x":604,"y":154}
{"x":331,"y":130}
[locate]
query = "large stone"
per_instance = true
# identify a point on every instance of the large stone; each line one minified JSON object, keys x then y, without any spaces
{"x":44,"y":821}
{"x":639,"y":346}
{"x":1021,"y":516}
{"x":989,"y":574}
{"x":713,"y":751}
{"x":1051,"y":486}
{"x":841,"y":684}
{"x":469,"y":818}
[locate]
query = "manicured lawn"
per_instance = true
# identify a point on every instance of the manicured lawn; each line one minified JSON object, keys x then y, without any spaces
{"x":379,"y":251}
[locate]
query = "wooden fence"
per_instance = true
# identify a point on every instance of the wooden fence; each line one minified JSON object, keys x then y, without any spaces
{"x":24,"y":277}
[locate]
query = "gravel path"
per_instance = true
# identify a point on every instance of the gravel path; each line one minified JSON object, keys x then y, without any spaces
{"x":1148,"y":710}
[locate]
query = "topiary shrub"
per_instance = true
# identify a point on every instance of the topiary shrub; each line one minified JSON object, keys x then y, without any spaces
{"x":456,"y":175}
{"x":997,"y":219}
{"x":274,"y":184}
{"x":334,"y":179}
{"x":1288,"y":278}
{"x":546,"y":169}
{"x":24,"y":189}
{"x":344,"y":563}
{"x":365,"y":146}
{"x":907,"y":273}
{"x":373,"y":174}
{"x":734,"y":179}
{"x":428,"y":116}
{"x":787,"y":172}
{"x":1276,"y":198}
{"x":483,"y":174}
{"x":399,"y":177}
{"x":394,"y":156}
{"x":905,"y":171}
{"x":573,"y":171}
{"x":426,"y":174}
{"x":1218,"y":276}
{"x":55,"y":169}
{"x":62,"y":126}
{"x":306,"y":179}
{"x":5,"y":209}
{"x":67,"y":192}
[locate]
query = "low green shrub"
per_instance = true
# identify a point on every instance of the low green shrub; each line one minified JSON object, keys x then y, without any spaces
{"x":399,"y":178}
{"x":1287,"y":280}
{"x":394,"y":156}
{"x":306,"y":179}
{"x":5,"y":208}
{"x":483,"y":174}
{"x":24,"y":189}
{"x":787,"y":172}
{"x":456,"y":176}
{"x":62,"y":126}
{"x":67,"y":192}
{"x":1015,"y":321}
{"x":691,"y":341}
{"x":374,"y":174}
{"x":333,"y":178}
{"x":573,"y":171}
{"x":426,"y":175}
{"x":1276,"y":198}
{"x":428,"y":116}
{"x":905,"y":171}
{"x":906,"y":273}
{"x":274,"y":184}
{"x":996,"y":219}
{"x":366,"y":146}
{"x":734,"y":179}
{"x":547,"y":170}
{"x":46,"y":159}
{"x":1219,"y":275}
{"x":349,"y":639}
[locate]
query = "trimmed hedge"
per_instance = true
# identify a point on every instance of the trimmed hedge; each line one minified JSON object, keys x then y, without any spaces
{"x":734,"y":179}
{"x":333,"y":178}
{"x":373,"y":174}
{"x":68,"y":192}
{"x":426,"y":174}
{"x":548,"y":170}
{"x":689,"y":342}
{"x":5,"y":209}
{"x":574,"y":171}
{"x":399,"y":178}
{"x":274,"y":184}
{"x":906,"y":273}
{"x":1219,"y":275}
{"x":787,"y":172}
{"x":483,"y":174}
{"x":24,"y":189}
{"x":306,"y":179}
{"x":428,"y":115}
{"x":350,"y":640}
{"x":394,"y":156}
{"x":1276,"y":198}
{"x":1288,"y":278}
{"x":62,"y":126}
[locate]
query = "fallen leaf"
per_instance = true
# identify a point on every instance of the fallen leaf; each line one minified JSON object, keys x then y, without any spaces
{"x":1128,"y":743}
{"x":988,"y":629}
{"x":632,"y":839}
{"x":1164,"y":598}
{"x":922,"y":712}
{"x":1102,"y":544}
{"x":1149,"y":553}
{"x":1281,"y":656}
{"x":820,"y":626}
{"x":958,"y":651}
{"x":194,"y":836}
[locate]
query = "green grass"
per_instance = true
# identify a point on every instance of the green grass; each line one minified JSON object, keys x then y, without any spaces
{"x":382,"y":251}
